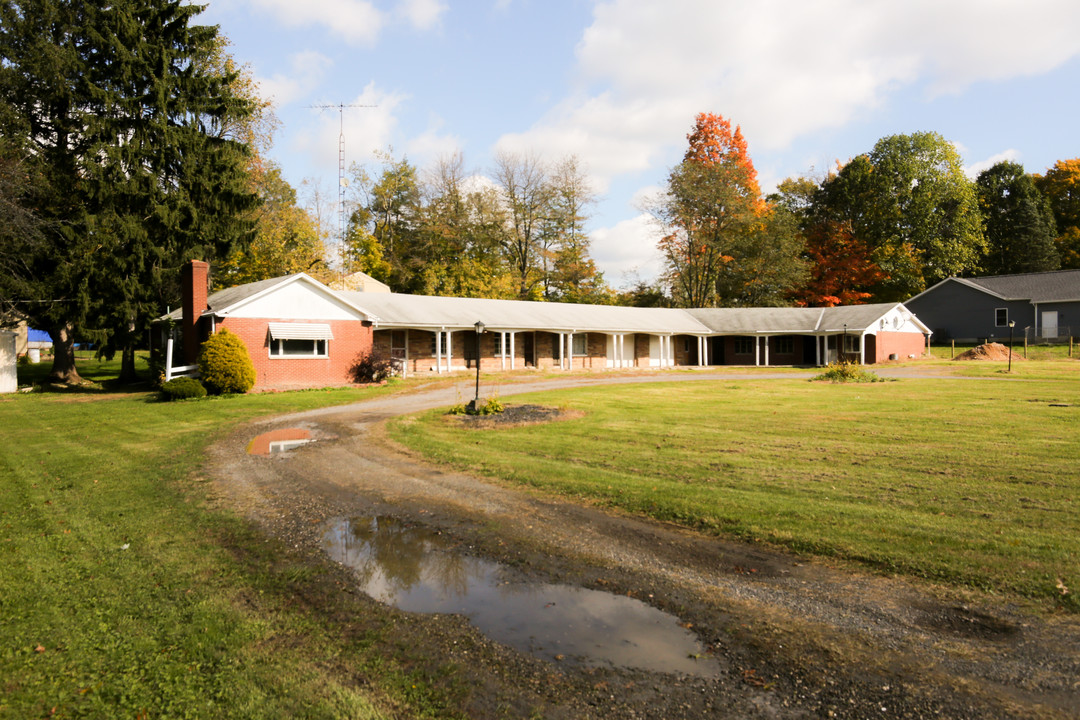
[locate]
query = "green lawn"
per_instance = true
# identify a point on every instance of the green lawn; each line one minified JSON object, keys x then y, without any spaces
{"x":971,"y":482}
{"x":122,"y":595}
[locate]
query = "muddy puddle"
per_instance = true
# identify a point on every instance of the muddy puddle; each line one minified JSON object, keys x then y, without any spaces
{"x":415,"y":569}
{"x":278,"y":441}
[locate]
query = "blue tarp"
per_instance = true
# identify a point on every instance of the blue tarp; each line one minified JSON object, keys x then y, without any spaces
{"x":38,"y":336}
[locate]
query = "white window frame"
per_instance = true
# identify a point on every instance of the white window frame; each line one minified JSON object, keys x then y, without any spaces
{"x":502,"y":350}
{"x":438,"y":338}
{"x":319,"y":349}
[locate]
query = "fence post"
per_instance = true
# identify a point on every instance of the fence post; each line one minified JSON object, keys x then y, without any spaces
{"x":953,"y":357}
{"x":1070,"y":344}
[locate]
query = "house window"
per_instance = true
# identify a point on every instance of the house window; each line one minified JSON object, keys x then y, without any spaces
{"x":297,"y":348}
{"x":744,"y":346}
{"x":581,"y":344}
{"x":299,"y":340}
{"x":851,"y":343}
{"x":502,"y":344}
{"x":785,"y":345}
{"x":438,"y":344}
{"x":1001,"y":317}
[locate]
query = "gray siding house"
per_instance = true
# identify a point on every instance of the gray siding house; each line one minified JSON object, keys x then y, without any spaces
{"x":1044,"y":307}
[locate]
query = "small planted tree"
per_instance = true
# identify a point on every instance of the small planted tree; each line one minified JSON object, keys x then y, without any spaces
{"x":225,"y":365}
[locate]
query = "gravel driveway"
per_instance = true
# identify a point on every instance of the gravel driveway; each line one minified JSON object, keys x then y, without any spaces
{"x":794,"y":638}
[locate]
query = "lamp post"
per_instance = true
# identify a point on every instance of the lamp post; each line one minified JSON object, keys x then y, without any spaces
{"x":1012,"y":324}
{"x":479,"y":331}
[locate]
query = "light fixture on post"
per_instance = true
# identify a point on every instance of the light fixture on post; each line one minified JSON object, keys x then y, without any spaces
{"x":479,"y":325}
{"x":1012,"y":324}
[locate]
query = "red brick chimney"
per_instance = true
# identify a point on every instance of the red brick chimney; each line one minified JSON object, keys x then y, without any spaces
{"x":194,"y":283}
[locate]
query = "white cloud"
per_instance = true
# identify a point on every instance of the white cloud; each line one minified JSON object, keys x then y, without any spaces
{"x":779,"y":69}
{"x":627,"y":248}
{"x":422,"y":14}
{"x":306,"y":71}
{"x":431,"y":145}
{"x":973,"y":170}
{"x":355,"y":21}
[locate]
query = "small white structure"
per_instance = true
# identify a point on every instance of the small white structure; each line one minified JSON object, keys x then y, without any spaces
{"x":9,"y":382}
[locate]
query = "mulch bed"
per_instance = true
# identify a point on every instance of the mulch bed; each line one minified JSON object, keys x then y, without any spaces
{"x":515,"y":415}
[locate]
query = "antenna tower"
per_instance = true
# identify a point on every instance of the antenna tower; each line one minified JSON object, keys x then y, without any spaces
{"x":343,"y":182}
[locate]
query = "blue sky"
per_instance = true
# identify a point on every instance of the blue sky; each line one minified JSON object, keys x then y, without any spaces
{"x":618,"y":83}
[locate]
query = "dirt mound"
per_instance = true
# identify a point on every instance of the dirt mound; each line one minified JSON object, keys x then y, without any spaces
{"x":988,"y":351}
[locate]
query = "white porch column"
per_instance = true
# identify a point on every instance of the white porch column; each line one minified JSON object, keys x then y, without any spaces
{"x":405,"y":363}
{"x":502,"y":349}
{"x":701,"y":359}
{"x":862,"y":349}
{"x":449,"y":351}
{"x":622,"y":350}
{"x":817,"y":350}
{"x":757,"y":351}
{"x":513,"y":351}
{"x":766,"y":338}
{"x":438,"y":351}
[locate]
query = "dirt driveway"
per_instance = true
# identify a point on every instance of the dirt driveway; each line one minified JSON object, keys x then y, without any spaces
{"x":792,"y":638}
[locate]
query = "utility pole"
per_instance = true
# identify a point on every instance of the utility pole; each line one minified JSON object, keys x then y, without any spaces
{"x":343,"y":182}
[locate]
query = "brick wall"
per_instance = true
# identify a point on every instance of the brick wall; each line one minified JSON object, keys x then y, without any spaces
{"x":901,"y":343}
{"x":351,"y":337}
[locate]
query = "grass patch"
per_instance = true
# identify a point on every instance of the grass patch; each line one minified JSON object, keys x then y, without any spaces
{"x":122,"y":595}
{"x":971,"y":483}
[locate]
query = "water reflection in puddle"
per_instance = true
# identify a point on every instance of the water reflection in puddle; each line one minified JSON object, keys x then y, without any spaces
{"x":412,"y":568}
{"x":278,"y":441}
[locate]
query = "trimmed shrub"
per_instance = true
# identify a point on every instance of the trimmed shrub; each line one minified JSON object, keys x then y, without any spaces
{"x":845,"y":372}
{"x":182,"y":388}
{"x":225,"y":365}
{"x":371,"y":367}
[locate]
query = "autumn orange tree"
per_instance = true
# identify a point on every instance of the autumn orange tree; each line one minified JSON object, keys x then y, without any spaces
{"x":722,"y":244}
{"x":1061,"y":186}
{"x":841,"y":266}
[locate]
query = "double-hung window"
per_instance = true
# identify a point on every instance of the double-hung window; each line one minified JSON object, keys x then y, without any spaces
{"x":1001,"y":317}
{"x":300,"y":340}
{"x":581,"y":344}
{"x":784,"y":345}
{"x":744,"y":346}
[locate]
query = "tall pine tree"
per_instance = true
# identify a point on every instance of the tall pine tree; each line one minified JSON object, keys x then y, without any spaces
{"x":1017,"y":220}
{"x":117,"y":109}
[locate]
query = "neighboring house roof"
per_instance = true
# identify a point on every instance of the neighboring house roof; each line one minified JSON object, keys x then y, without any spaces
{"x":1044,"y":287}
{"x":359,"y":282}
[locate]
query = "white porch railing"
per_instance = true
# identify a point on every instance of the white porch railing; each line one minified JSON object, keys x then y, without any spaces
{"x":179,"y":371}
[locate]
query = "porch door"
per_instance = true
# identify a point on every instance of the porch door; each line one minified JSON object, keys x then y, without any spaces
{"x":397,"y":349}
{"x":1050,"y":324}
{"x":528,"y":345}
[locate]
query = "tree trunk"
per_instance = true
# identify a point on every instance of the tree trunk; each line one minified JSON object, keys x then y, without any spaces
{"x":63,"y":369}
{"x":127,"y":366}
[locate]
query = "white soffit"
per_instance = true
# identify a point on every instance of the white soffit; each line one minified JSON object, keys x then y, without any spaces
{"x":300,"y":331}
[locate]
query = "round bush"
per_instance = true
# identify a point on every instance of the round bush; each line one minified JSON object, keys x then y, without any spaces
{"x":225,"y":365}
{"x":182,"y":388}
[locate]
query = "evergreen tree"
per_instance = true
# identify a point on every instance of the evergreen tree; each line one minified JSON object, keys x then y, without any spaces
{"x":1017,"y":220}
{"x":114,"y":106}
